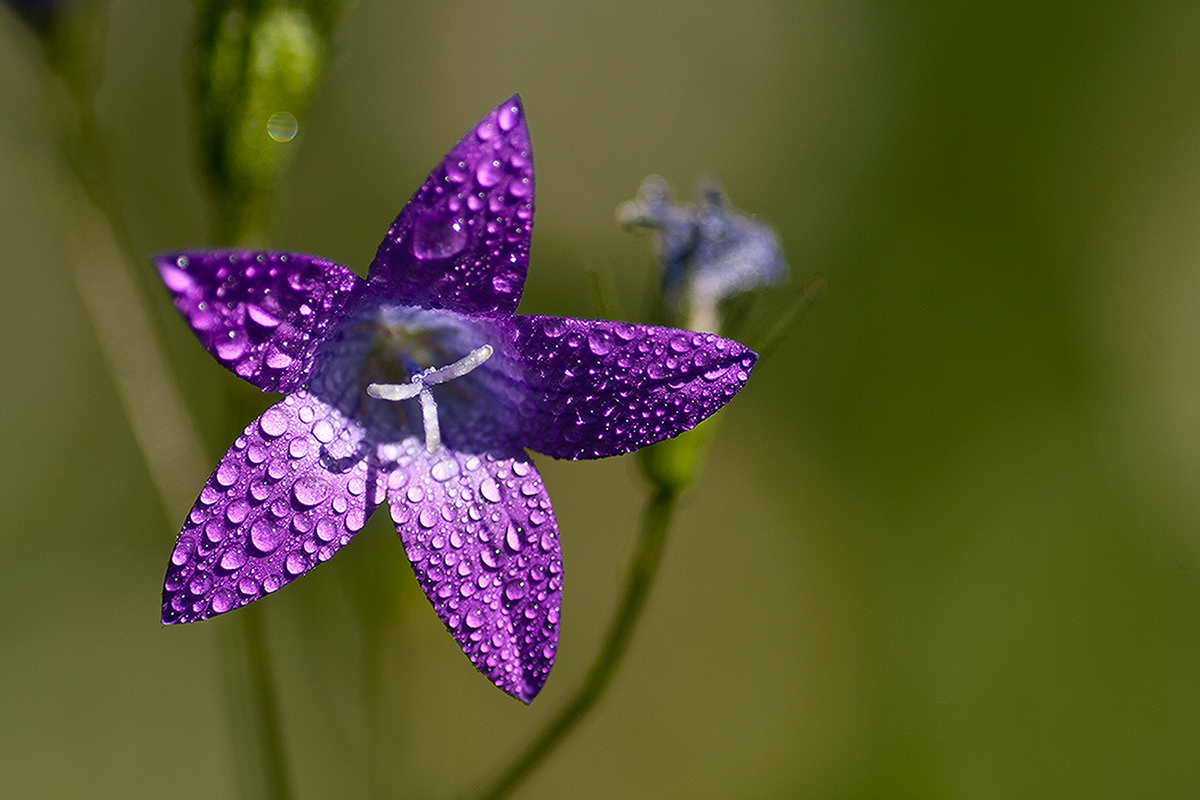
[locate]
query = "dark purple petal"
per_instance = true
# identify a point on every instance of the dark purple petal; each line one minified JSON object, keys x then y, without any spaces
{"x":483,"y":543}
{"x":599,"y":388}
{"x":262,"y":315}
{"x":462,"y":242}
{"x":295,"y":487}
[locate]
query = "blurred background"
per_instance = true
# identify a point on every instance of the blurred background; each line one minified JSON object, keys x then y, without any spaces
{"x":946,"y":544}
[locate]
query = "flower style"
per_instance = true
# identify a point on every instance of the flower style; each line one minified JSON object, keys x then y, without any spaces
{"x":421,"y":387}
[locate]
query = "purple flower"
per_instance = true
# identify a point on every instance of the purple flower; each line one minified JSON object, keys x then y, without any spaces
{"x":420,"y":387}
{"x":709,"y":251}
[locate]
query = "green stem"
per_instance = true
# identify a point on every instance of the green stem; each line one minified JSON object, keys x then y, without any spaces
{"x":647,"y":556}
{"x":113,"y":294}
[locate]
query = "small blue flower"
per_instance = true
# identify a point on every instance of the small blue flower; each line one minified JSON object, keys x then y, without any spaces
{"x":709,"y":252}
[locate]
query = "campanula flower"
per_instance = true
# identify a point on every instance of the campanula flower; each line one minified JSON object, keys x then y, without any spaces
{"x":709,"y":251}
{"x":420,"y":387}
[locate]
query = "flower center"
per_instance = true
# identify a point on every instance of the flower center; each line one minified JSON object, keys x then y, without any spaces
{"x":419,"y":387}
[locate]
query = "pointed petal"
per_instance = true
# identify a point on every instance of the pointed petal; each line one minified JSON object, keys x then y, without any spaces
{"x":294,"y":488}
{"x":462,"y":242}
{"x":596,"y":388}
{"x":483,"y":543}
{"x":262,"y":315}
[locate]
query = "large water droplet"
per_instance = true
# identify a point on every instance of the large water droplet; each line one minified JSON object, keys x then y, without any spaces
{"x":489,"y":173}
{"x":509,"y":116}
{"x":274,"y":422}
{"x":222,"y":601}
{"x":296,"y":563}
{"x":435,"y":236}
{"x":444,"y":470}
{"x":474,"y":619}
{"x":227,"y":474}
{"x":600,"y":342}
{"x":490,"y":490}
{"x":266,"y":536}
{"x":310,"y":490}
{"x":233,"y":559}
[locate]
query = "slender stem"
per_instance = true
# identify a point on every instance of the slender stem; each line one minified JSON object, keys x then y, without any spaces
{"x":159,"y":416}
{"x":266,"y":704}
{"x":647,"y":556}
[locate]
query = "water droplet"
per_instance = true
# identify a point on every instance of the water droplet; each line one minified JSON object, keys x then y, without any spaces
{"x":444,"y":470}
{"x":307,"y":414}
{"x":227,"y":474}
{"x":298,"y":448}
{"x":415,"y":494}
{"x":282,"y":126}
{"x":296,"y":563}
{"x":600,"y":342}
{"x":266,"y":536}
{"x":271,"y":583}
{"x":490,"y":490}
{"x":486,"y":130}
{"x":233,"y":559}
{"x":237,"y":511}
{"x":248,"y":586}
{"x":509,"y":116}
{"x":327,"y":530}
{"x":222,"y":601}
{"x":200,"y":583}
{"x":274,"y":422}
{"x":262,"y":316}
{"x":231,"y":348}
{"x":521,"y":468}
{"x":323,"y":431}
{"x":427,"y":518}
{"x":489,"y":173}
{"x":513,"y":539}
{"x":515,"y":590}
{"x":474,"y":619}
{"x":554,"y":327}
{"x":310,"y":490}
{"x":536,"y":517}
{"x":436,"y":236}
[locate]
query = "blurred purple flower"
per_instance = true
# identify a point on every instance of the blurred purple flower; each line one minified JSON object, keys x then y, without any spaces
{"x":709,"y":251}
{"x":421,"y":387}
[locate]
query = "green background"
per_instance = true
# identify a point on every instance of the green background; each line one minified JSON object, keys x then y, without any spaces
{"x":946,"y":545}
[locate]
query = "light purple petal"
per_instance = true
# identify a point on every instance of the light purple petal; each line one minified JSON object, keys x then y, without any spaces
{"x":599,"y":388}
{"x":295,"y":487}
{"x":262,"y":315}
{"x":483,"y":543}
{"x":462,"y":242}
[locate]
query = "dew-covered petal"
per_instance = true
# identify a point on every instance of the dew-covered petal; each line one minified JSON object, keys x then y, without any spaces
{"x":483,"y":543}
{"x":462,"y":242}
{"x":262,"y":315}
{"x":295,"y":487}
{"x":599,"y":388}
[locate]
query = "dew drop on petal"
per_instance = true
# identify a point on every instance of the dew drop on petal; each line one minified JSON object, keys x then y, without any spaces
{"x":490,"y":490}
{"x":435,"y":236}
{"x":266,"y":536}
{"x":444,"y":470}
{"x":508,"y":117}
{"x":274,"y":422}
{"x":233,"y":559}
{"x":222,"y":601}
{"x":323,"y":431}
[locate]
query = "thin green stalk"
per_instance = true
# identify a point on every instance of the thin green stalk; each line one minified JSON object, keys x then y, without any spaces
{"x":159,"y":416}
{"x":643,"y":568}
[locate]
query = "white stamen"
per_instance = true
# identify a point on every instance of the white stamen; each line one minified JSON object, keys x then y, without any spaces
{"x":418,"y":387}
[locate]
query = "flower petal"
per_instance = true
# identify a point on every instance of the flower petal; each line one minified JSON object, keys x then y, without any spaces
{"x":483,"y":543}
{"x":294,"y":488}
{"x":596,"y":388}
{"x":462,"y":242}
{"x":262,"y":315}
